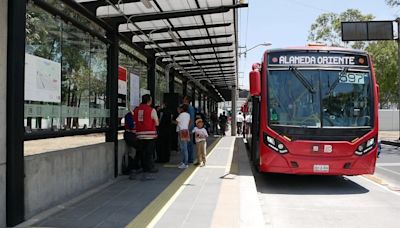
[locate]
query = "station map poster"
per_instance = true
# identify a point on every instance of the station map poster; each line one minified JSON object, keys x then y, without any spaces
{"x":122,"y":86}
{"x":42,"y":79}
{"x":134,"y":90}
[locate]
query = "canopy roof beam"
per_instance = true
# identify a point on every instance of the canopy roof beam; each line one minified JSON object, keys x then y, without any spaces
{"x":120,"y":19}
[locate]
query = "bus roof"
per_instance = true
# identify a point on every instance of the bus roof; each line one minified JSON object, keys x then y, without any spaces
{"x":316,"y":48}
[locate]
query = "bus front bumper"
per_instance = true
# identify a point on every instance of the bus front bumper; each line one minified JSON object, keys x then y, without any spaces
{"x":313,"y":165}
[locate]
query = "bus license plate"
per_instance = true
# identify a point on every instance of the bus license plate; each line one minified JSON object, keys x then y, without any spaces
{"x":321,"y":168}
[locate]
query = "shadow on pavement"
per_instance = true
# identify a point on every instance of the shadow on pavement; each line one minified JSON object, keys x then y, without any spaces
{"x":306,"y":185}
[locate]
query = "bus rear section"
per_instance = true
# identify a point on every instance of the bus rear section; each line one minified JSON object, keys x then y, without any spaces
{"x":314,"y":112}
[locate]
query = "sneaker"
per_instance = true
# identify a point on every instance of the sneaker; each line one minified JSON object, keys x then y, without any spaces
{"x":182,"y":166}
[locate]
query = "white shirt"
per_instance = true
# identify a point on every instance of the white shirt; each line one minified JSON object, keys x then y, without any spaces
{"x":239,"y":118}
{"x":183,"y":121}
{"x":154,"y":116}
{"x":200,"y":134}
{"x":248,"y":118}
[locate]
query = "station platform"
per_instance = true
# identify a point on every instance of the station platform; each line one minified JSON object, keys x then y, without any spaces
{"x":221,"y":194}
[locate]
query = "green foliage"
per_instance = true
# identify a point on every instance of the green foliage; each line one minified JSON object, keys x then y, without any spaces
{"x":384,"y":56}
{"x":327,"y":28}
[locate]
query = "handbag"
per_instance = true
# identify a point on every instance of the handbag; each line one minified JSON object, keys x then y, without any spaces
{"x":184,"y":135}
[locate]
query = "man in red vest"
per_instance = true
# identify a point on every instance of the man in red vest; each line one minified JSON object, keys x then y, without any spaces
{"x":146,"y":121}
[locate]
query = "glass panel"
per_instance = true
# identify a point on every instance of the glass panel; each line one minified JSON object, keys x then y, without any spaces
{"x":43,"y":56}
{"x":76,"y":75}
{"x":178,"y":88}
{"x":161,"y":88}
{"x":346,"y":103}
{"x":98,"y":80}
{"x":66,"y":75}
{"x":136,"y":68}
{"x":290,"y":102}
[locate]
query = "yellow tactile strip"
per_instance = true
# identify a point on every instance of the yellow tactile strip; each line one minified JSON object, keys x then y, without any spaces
{"x":152,"y":210}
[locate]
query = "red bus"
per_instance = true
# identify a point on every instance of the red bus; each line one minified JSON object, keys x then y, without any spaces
{"x":314,"y":110}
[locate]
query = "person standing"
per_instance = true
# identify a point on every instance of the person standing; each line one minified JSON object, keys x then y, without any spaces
{"x":223,"y":120}
{"x":132,"y":141}
{"x":164,"y":137}
{"x":239,"y":122}
{"x":214,"y":122}
{"x":192,"y":114}
{"x":146,"y":121}
{"x":182,"y":128}
{"x":200,"y":134}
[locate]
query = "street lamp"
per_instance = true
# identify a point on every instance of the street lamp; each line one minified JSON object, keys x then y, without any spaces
{"x":247,"y":50}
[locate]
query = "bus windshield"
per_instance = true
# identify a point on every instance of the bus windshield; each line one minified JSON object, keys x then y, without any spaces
{"x":339,"y":98}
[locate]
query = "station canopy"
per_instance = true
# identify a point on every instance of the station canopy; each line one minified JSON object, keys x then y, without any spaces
{"x":198,"y":37}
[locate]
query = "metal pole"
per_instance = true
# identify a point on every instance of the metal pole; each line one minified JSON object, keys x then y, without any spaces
{"x":15,"y":188}
{"x":398,"y":67}
{"x":233,"y":110}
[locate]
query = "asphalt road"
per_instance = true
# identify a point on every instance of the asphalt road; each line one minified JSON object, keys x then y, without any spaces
{"x":333,"y":201}
{"x":388,"y":166}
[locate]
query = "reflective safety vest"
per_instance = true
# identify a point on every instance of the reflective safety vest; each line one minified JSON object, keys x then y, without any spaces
{"x":145,"y":125}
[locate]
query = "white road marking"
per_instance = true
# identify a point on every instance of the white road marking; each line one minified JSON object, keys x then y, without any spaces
{"x":387,"y":164}
{"x":388,"y":170}
{"x":381,"y":186}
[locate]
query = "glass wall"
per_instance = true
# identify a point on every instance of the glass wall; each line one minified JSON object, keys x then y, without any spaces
{"x":178,"y":87}
{"x":65,"y":75}
{"x":161,"y":88}
{"x":136,"y":73}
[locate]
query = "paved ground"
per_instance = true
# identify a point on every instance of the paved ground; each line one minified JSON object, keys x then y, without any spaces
{"x":388,"y":166}
{"x":320,"y":201}
{"x":325,"y":201}
{"x":118,"y":204}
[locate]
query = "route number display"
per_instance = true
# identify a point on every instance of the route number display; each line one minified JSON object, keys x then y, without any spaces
{"x":352,"y":78}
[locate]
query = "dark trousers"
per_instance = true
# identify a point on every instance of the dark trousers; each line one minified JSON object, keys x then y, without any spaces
{"x":147,"y":149}
{"x":163,"y":145}
{"x":239,"y":128}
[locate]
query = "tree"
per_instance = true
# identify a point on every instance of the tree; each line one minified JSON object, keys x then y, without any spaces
{"x":384,"y":56}
{"x":327,"y":28}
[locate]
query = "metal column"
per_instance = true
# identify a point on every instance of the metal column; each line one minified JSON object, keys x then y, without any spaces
{"x":200,"y":106}
{"x":171,"y":83}
{"x":398,"y":66}
{"x":184,"y":87}
{"x":233,"y":127}
{"x":112,"y":94}
{"x":15,"y":205}
{"x":151,"y":75}
{"x":193,"y":95}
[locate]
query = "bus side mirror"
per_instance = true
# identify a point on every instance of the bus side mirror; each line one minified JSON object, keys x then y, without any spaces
{"x":255,"y":82}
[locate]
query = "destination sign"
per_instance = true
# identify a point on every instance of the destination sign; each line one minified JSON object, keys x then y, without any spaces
{"x":317,"y":59}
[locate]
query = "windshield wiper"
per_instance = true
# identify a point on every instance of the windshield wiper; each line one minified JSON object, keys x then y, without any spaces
{"x":302,"y":79}
{"x":336,"y":82}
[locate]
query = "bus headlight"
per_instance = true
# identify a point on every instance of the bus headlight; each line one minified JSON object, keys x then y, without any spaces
{"x":365,"y":147}
{"x":275,"y":144}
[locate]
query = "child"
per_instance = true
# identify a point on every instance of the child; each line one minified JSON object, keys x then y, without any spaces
{"x":200,"y":135}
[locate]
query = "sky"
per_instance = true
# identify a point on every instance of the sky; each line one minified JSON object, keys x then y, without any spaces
{"x":286,"y":23}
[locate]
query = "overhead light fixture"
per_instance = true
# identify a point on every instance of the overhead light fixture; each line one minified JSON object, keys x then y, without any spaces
{"x":173,"y":37}
{"x":147,"y":4}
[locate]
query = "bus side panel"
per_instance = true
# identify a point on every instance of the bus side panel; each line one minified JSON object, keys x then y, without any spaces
{"x":263,"y":116}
